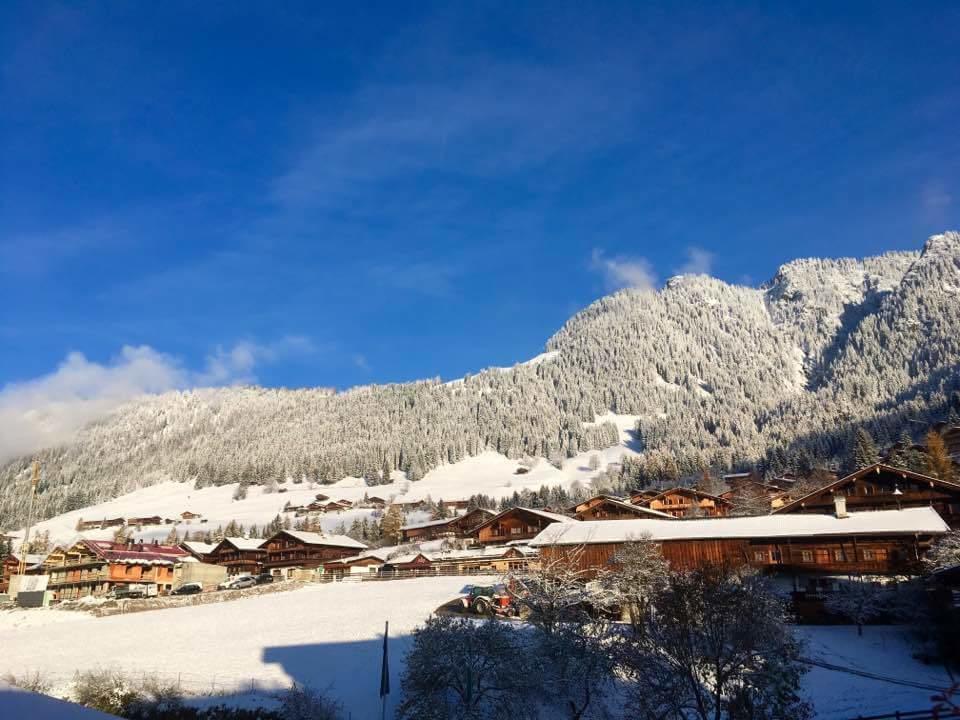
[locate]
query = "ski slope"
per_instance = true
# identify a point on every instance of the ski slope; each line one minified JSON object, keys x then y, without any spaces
{"x":489,"y":473}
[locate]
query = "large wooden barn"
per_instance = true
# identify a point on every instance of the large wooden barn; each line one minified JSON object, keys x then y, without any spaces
{"x":516,"y":524}
{"x":880,"y":542}
{"x":290,"y":550}
{"x":882,"y":487}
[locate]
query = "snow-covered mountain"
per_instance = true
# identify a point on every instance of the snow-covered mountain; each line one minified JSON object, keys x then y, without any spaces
{"x":716,"y":374}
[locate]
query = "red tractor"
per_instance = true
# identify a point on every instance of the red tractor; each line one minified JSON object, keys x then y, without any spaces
{"x":489,"y":600}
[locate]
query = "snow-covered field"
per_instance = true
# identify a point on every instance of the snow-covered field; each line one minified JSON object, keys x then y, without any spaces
{"x":327,"y":636}
{"x":488,"y":473}
{"x":883,"y":650}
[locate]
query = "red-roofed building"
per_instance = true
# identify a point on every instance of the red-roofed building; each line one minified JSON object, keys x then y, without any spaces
{"x":95,"y":567}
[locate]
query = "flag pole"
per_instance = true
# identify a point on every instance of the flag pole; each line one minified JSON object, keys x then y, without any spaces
{"x":384,"y":673}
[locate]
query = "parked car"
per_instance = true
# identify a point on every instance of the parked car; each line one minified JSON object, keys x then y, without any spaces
{"x":190,"y":588}
{"x":134,"y":590}
{"x":264,"y":578}
{"x":238,"y":583}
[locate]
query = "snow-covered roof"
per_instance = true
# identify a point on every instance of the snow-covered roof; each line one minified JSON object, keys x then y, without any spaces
{"x":880,"y":522}
{"x":431,"y":523}
{"x":638,"y":509}
{"x":200,"y":548}
{"x":241,"y":543}
{"x":555,"y":517}
{"x":311,"y":538}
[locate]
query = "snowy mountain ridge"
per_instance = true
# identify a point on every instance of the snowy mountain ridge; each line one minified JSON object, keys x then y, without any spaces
{"x":717,"y":374}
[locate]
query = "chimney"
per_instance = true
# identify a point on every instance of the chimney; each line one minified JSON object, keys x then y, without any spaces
{"x":840,"y":505}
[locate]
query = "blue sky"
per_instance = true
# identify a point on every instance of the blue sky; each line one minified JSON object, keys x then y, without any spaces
{"x":381,"y":192}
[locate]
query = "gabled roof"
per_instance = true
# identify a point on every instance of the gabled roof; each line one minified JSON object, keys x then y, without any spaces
{"x":552,"y":517}
{"x":198,"y":548}
{"x":311,"y":538}
{"x":629,"y":507}
{"x":875,"y":468}
{"x":429,"y":523}
{"x":241,"y":543}
{"x":879,"y":522}
{"x":136,"y":553}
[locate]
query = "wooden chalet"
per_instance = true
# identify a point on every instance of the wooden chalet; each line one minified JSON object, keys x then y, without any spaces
{"x":639,"y":497}
{"x":33,"y":565}
{"x":367,"y":562}
{"x":460,"y":526}
{"x":94,"y":567}
{"x":607,"y":507}
{"x":410,"y":562}
{"x":876,"y":543}
{"x":238,"y":555}
{"x":187,"y":515}
{"x":290,"y":550}
{"x":516,"y":524}
{"x":681,"y":502}
{"x":755,"y":493}
{"x":141,"y":521}
{"x":882,"y":487}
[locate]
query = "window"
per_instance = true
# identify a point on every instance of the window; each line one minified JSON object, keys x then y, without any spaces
{"x":516,"y":530}
{"x":806,"y":556}
{"x":823,"y":556}
{"x":838,"y":555}
{"x":760,"y":555}
{"x":868,"y":555}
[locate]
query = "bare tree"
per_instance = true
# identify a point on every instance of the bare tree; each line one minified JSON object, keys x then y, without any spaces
{"x":466,"y":670}
{"x":858,"y":601}
{"x":553,"y":592}
{"x":945,"y":552}
{"x":577,"y":670}
{"x":637,"y":573}
{"x":718,"y":648}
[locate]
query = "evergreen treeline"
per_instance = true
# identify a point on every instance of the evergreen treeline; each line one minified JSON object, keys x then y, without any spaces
{"x":720,"y":376}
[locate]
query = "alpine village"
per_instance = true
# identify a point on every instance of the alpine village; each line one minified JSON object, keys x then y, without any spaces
{"x":480,"y":360}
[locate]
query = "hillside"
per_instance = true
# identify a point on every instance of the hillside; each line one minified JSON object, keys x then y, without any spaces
{"x":716,"y":374}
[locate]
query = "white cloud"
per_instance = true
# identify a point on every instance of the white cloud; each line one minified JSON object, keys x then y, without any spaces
{"x":620,"y":272}
{"x":49,"y":409}
{"x":699,"y":262}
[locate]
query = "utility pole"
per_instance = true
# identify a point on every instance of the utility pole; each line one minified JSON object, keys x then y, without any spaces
{"x":26,"y":534}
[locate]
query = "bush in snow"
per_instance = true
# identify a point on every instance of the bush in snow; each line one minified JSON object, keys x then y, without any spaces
{"x":303,"y":703}
{"x":34,"y":683}
{"x":460,"y":669}
{"x":106,"y":690}
{"x":716,"y":648}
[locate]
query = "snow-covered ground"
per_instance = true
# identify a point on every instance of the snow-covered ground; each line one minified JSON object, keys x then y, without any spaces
{"x":327,"y":636}
{"x":883,"y":650}
{"x":489,"y":473}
